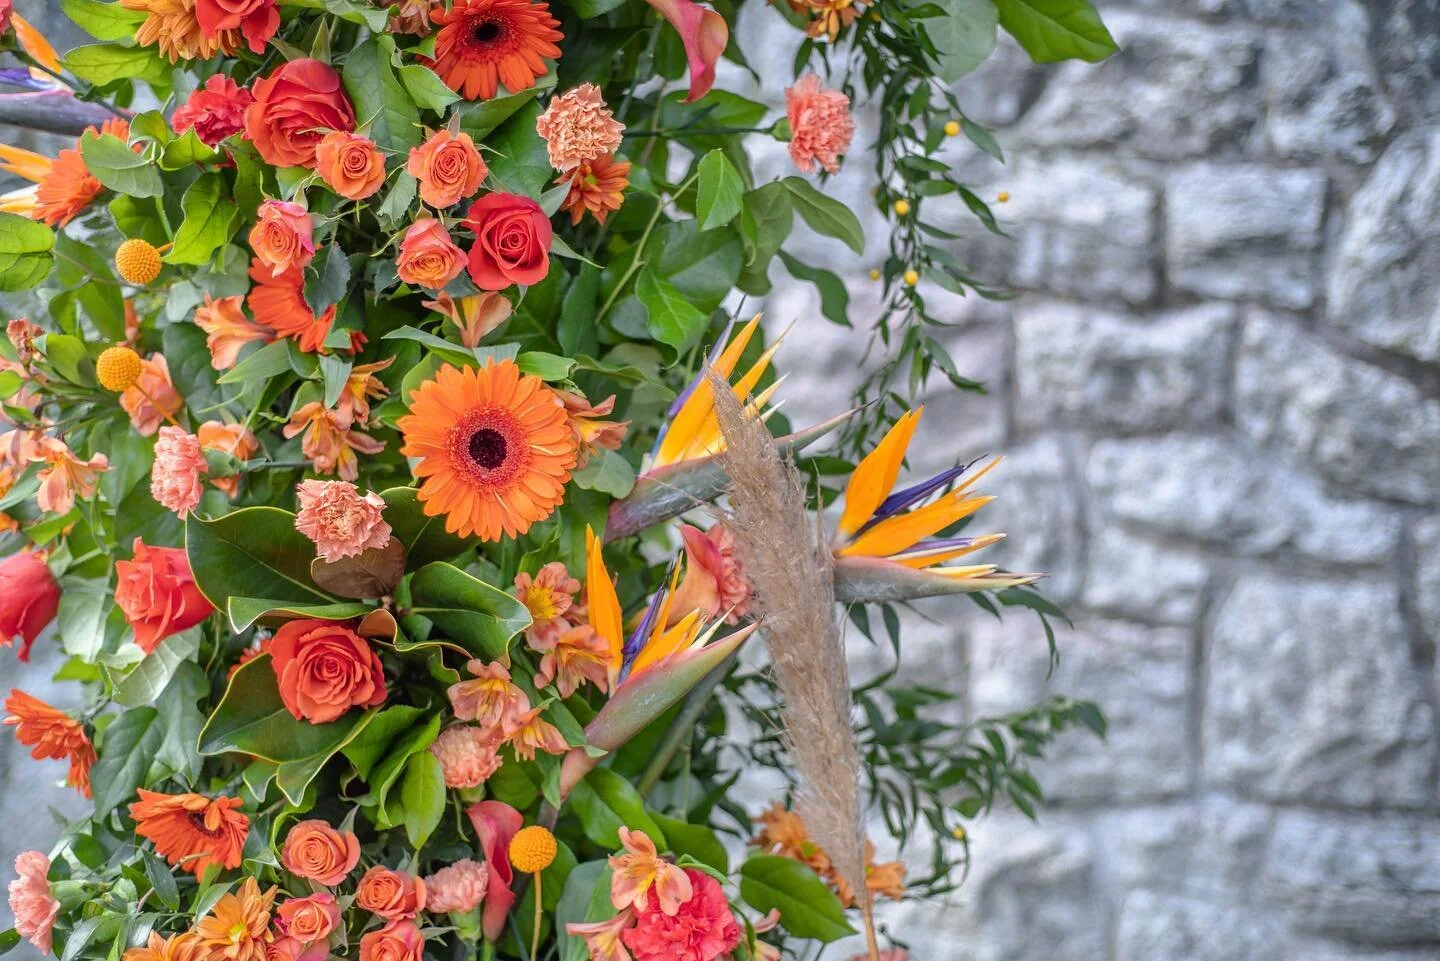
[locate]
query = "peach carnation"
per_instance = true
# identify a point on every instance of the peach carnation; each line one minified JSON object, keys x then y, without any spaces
{"x":702,"y":929}
{"x":714,"y":582}
{"x":34,"y":907}
{"x":820,"y":125}
{"x":457,"y":888}
{"x":467,"y":756}
{"x":339,"y":519}
{"x":578,"y":127}
{"x":179,"y":464}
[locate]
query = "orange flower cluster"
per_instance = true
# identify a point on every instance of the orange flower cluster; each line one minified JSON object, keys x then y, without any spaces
{"x":53,"y":734}
{"x":784,"y":833}
{"x":333,"y":436}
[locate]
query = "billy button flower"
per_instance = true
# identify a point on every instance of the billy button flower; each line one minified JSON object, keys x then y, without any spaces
{"x":118,"y":369}
{"x":532,"y":850}
{"x":137,"y":261}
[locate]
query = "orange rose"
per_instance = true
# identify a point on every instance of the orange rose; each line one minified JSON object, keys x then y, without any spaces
{"x":428,"y":258}
{"x":317,"y":852}
{"x":448,"y":167}
{"x":351,"y":164}
{"x":325,"y":669}
{"x":283,"y":236}
{"x":294,"y":107}
{"x":390,"y":894}
{"x":156,"y":591}
{"x":397,"y":941}
{"x":309,"y":919}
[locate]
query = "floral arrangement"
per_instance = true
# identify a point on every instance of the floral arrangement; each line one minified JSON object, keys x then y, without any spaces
{"x":382,"y":451}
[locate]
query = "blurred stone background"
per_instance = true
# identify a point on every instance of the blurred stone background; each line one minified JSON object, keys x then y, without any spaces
{"x":1219,"y":399}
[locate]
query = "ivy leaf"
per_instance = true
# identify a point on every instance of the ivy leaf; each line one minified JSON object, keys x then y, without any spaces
{"x":26,"y":252}
{"x":719,"y":193}
{"x":964,"y":36}
{"x":1054,"y":30}
{"x":127,"y":752}
{"x":826,"y":215}
{"x":208,"y":223}
{"x":673,"y":320}
{"x":808,"y":908}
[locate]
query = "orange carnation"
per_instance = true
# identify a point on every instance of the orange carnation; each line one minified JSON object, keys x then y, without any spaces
{"x":351,"y":164}
{"x":192,"y":830}
{"x":448,"y":167}
{"x":324,"y":669}
{"x":317,"y":852}
{"x":390,"y":894}
{"x":283,"y":236}
{"x":428,"y":257}
{"x":53,"y":734}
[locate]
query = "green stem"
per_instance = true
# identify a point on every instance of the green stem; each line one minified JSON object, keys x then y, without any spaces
{"x":639,"y":261}
{"x":679,"y":734}
{"x":673,"y":132}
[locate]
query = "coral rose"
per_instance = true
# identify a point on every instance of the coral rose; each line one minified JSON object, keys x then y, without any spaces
{"x":34,"y":907}
{"x":283,"y":236}
{"x":428,"y":258}
{"x":214,"y":111}
{"x":317,"y":852}
{"x":309,"y":919}
{"x":293,"y":110}
{"x":351,"y":164}
{"x":390,"y":894}
{"x":257,"y":20}
{"x":339,"y":519}
{"x":397,"y":941}
{"x":448,"y":167}
{"x":820,"y":124}
{"x":157,"y":592}
{"x":702,"y":929}
{"x":29,"y":599}
{"x":325,"y":669}
{"x":512,"y":241}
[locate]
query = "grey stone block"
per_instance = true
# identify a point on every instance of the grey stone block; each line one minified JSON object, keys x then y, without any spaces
{"x":1155,"y":926}
{"x":1135,"y":577}
{"x":1040,"y":515}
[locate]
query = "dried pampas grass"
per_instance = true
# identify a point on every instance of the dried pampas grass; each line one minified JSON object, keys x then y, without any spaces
{"x":790,"y":570}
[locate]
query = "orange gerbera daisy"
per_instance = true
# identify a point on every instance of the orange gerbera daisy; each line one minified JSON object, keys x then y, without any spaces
{"x":278,"y":302}
{"x":64,"y":186}
{"x":484,"y":43}
{"x":53,"y":734}
{"x":596,"y":186}
{"x":238,"y":929}
{"x":495,"y":449}
{"x":192,"y":830}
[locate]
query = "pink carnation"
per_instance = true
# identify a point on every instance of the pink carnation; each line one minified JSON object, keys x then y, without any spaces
{"x":820,"y":124}
{"x":703,"y":929}
{"x":339,"y":519}
{"x":31,"y":902}
{"x":179,"y":463}
{"x":578,"y":127}
{"x":215,"y":110}
{"x":467,"y":755}
{"x":459,"y":887}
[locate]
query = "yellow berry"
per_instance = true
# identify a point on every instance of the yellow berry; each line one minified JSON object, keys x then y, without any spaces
{"x":952,"y":129}
{"x":958,"y":833}
{"x":1003,"y":196}
{"x":137,"y":261}
{"x":874,"y":274}
{"x":902,"y":207}
{"x":532,"y":849}
{"x":117,"y":368}
{"x":912,"y":277}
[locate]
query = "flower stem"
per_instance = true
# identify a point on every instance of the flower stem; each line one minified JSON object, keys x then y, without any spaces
{"x":674,"y":132}
{"x":639,"y":261}
{"x":535,"y":932}
{"x":695,"y":703}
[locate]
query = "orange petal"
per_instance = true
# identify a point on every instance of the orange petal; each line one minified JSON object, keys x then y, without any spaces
{"x":896,"y":534}
{"x":875,"y":475}
{"x":604,"y":604}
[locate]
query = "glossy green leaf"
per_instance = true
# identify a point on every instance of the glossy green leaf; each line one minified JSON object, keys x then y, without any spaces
{"x":26,"y":252}
{"x":720,"y":189}
{"x":180,"y":716}
{"x":103,"y":21}
{"x":605,"y":802}
{"x":246,"y":611}
{"x":253,"y":552}
{"x":425,"y":538}
{"x":209,"y":222}
{"x":479,"y":118}
{"x":608,"y":472}
{"x":807,"y":906}
{"x":1054,"y":30}
{"x":964,"y":36}
{"x":672,"y":319}
{"x":85,"y":603}
{"x":479,"y":618}
{"x":126,"y":753}
{"x":381,"y":100}
{"x":422,"y":793}
{"x":187,"y":150}
{"x":586,"y":898}
{"x":519,"y":162}
{"x":102,"y":63}
{"x":834,"y":297}
{"x":150,"y":677}
{"x":268,"y":361}
{"x":696,"y":840}
{"x":426,"y":88}
{"x":111,"y":161}
{"x":825,"y":214}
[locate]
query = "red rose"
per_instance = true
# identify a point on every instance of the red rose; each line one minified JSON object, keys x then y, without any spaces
{"x":157,"y":593}
{"x":256,"y":19}
{"x":29,"y":598}
{"x":512,"y":241}
{"x":324,"y":669}
{"x":293,"y":110}
{"x":216,"y":110}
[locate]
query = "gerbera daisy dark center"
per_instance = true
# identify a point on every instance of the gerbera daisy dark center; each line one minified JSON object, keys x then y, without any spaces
{"x":488,"y":448}
{"x":486,"y":31}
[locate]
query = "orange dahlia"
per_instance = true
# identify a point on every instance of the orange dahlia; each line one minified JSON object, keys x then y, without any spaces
{"x":597,"y":186}
{"x":278,"y":302}
{"x":192,"y":830}
{"x":484,"y":43}
{"x":495,"y":449}
{"x":53,"y":734}
{"x":238,"y":929}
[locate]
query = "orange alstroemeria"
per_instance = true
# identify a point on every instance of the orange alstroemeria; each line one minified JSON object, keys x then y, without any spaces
{"x":361,"y":387}
{"x":488,"y":697}
{"x":329,"y":441}
{"x":602,"y":938}
{"x":639,"y":870}
{"x":64,"y":476}
{"x":475,"y":315}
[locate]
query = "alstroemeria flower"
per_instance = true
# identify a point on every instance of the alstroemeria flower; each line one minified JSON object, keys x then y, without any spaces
{"x":602,"y":938}
{"x":641,"y":868}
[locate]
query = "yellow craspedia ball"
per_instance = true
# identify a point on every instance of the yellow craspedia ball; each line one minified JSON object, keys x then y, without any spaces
{"x":902,"y":207}
{"x":952,"y":129}
{"x":117,"y":368}
{"x":137,"y":261}
{"x":912,"y":277}
{"x":532,"y":849}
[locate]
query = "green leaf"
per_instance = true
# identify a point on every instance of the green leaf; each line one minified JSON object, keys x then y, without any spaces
{"x":187,"y":150}
{"x":808,"y":908}
{"x":112,"y":162}
{"x":422,"y":793}
{"x":128,"y":750}
{"x":826,"y":215}
{"x":696,"y":840}
{"x":26,"y":252}
{"x":588,"y":9}
{"x":586,"y":898}
{"x":208,"y":222}
{"x":550,"y":367}
{"x":182,"y":720}
{"x":718,"y":199}
{"x":102,"y":63}
{"x":268,"y":361}
{"x":424,"y":538}
{"x":703,"y":266}
{"x":67,"y":355}
{"x":607,"y":472}
{"x":252,"y":719}
{"x":254,"y":552}
{"x":426,"y":88}
{"x":1054,"y":30}
{"x":964,"y":36}
{"x":162,"y":880}
{"x":834,"y":297}
{"x":519,"y":163}
{"x":380,"y":99}
{"x":672,"y":319}
{"x":330,"y":281}
{"x":605,"y":802}
{"x":452,"y":352}
{"x":396,"y":205}
{"x":244,"y":612}
{"x":103,"y":21}
{"x":150,"y":677}
{"x":479,"y":119}
{"x":376,"y":18}
{"x":84,"y":606}
{"x":480,"y":618}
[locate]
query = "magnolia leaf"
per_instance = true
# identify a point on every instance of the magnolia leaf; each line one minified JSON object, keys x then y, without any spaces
{"x":807,"y":906}
{"x":253,"y":552}
{"x":246,"y":612}
{"x":424,"y":537}
{"x":371,"y":573}
{"x":479,"y":619}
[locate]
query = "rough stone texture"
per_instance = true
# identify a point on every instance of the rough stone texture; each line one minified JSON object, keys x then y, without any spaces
{"x":1143,"y":579}
{"x":1312,"y":696}
{"x":1156,"y":926}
